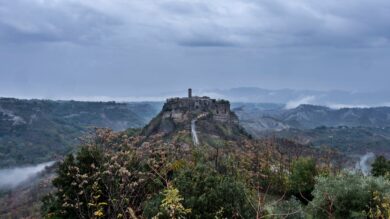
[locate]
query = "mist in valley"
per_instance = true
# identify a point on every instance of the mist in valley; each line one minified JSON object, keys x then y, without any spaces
{"x":12,"y":177}
{"x":365,"y":162}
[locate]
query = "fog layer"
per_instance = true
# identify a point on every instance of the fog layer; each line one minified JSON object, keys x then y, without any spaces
{"x":12,"y":177}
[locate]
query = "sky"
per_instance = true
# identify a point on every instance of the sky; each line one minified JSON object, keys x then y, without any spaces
{"x":132,"y":48}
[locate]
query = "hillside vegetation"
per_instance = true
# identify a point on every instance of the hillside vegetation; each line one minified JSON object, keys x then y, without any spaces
{"x":311,"y":116}
{"x":34,"y":131}
{"x":111,"y":176}
{"x":351,"y":130}
{"x":350,"y":140}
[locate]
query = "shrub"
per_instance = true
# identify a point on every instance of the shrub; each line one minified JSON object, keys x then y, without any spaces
{"x":104,"y":180}
{"x":289,"y":209}
{"x":208,"y":194}
{"x":347,"y":195}
{"x":302,"y":178}
{"x":380,"y":167}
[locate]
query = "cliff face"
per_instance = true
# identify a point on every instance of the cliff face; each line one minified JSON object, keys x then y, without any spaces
{"x":213,"y":118}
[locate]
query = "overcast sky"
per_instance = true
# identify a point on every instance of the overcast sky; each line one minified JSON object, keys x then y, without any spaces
{"x":68,"y":48}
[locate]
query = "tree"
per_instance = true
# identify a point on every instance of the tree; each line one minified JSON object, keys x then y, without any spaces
{"x":381,"y":166}
{"x":302,"y":178}
{"x":106,"y":179}
{"x":79,"y":193}
{"x":171,"y":205}
{"x":208,"y":194}
{"x":349,"y":195}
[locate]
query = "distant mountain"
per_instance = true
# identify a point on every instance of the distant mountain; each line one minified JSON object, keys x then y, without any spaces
{"x":350,"y":140}
{"x":310,"y":116}
{"x":293,"y":98}
{"x":33,"y":131}
{"x":352,"y":130}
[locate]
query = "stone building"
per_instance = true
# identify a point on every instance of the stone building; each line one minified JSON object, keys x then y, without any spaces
{"x":182,"y":109}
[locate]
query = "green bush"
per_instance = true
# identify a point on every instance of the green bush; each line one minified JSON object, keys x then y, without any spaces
{"x":381,"y":166}
{"x":100,"y":182}
{"x":347,"y":195}
{"x":209,"y":195}
{"x":289,"y":209}
{"x":302,"y":178}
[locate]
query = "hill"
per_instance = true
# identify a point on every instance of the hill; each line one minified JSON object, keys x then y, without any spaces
{"x":34,"y":131}
{"x":350,"y":140}
{"x":202,"y":119}
{"x":351,"y":130}
{"x":210,"y":124}
{"x":311,"y":116}
{"x":294,"y":97}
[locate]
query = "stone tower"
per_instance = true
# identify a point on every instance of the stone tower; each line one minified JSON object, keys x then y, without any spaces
{"x":189,"y":93}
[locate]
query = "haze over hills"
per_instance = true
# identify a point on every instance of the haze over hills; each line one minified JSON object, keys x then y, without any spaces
{"x":294,"y":97}
{"x":290,"y":98}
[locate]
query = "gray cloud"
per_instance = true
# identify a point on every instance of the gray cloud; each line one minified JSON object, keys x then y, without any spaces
{"x":206,"y":41}
{"x":57,"y":48}
{"x":202,"y":23}
{"x":53,"y":21}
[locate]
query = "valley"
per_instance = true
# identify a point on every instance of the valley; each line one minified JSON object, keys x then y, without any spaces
{"x":353,"y":131}
{"x":37,"y":131}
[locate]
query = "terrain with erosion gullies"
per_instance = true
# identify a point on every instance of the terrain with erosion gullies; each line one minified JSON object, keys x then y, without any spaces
{"x":36,"y":131}
{"x":350,"y":130}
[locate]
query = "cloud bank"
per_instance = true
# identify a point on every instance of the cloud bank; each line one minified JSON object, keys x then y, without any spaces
{"x":199,"y":23}
{"x":295,"y":103}
{"x":55,"y":48}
